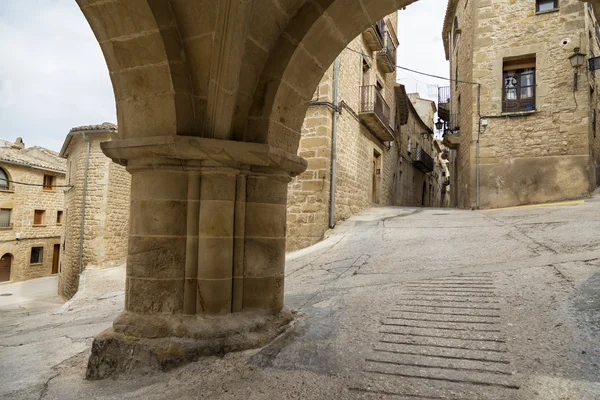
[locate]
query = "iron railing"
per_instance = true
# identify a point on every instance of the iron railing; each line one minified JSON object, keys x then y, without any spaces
{"x":422,"y":160}
{"x":443,"y":95}
{"x":372,"y":102}
{"x":389,"y":52}
{"x":6,"y":225}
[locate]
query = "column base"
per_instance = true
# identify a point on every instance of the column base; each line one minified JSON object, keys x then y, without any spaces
{"x":171,"y":341}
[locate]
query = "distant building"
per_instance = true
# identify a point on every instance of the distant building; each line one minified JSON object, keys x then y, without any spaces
{"x":31,"y":211}
{"x":425,"y":108}
{"x":419,"y":172}
{"x":96,"y":229}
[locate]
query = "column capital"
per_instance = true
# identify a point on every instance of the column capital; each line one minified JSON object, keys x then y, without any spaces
{"x":195,"y":151}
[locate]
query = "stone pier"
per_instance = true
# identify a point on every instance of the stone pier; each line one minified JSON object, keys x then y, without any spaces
{"x":205,"y":268}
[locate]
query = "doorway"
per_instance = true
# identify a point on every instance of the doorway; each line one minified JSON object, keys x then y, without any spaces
{"x":376,"y":175}
{"x":5,"y":265}
{"x":55,"y":258}
{"x":424,"y":194}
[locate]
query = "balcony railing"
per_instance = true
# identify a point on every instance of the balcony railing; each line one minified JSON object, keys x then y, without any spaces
{"x":6,"y":225}
{"x":386,"y":57}
{"x":376,"y":113}
{"x":444,"y":102}
{"x":422,"y":161}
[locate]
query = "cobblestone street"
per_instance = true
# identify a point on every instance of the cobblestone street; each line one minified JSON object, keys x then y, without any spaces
{"x":399,"y":303}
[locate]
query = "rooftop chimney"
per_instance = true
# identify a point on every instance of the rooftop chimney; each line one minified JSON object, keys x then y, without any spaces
{"x":19,"y":143}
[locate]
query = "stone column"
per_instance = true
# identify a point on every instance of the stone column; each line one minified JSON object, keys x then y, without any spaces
{"x":205,"y":270}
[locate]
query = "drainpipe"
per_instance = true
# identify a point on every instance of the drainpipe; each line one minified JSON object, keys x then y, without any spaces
{"x":336,"y":71}
{"x":477,"y":145}
{"x":85,"y":181}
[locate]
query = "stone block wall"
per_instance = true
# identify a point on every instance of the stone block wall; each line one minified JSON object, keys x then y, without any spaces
{"x":23,"y":200}
{"x":537,"y":156}
{"x":309,"y":193}
{"x":106,"y":222}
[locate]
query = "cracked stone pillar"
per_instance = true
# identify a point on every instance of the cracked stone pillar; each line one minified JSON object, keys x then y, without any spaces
{"x":205,"y":269}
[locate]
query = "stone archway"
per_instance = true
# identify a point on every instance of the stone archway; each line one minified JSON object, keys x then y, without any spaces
{"x":210,"y":100}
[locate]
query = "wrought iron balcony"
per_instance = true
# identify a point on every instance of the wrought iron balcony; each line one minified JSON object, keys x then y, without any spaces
{"x":386,"y":57}
{"x":444,"y":103}
{"x":422,"y":161}
{"x":6,"y":225}
{"x":452,"y":131}
{"x":374,"y":36}
{"x":375,"y":113}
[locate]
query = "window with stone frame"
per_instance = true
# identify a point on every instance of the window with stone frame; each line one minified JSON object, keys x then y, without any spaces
{"x":518,"y":85}
{"x":48,"y":182}
{"x":59,"y":217}
{"x":38,"y":217}
{"x":5,"y":214}
{"x":546,"y":5}
{"x":4,"y":181}
{"x":37,"y":255}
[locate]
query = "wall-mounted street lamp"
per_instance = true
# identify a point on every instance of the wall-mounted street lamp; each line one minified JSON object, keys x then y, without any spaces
{"x":577,"y":60}
{"x":439,"y":125}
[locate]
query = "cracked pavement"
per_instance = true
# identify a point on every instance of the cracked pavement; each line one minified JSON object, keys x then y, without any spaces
{"x":399,"y":303}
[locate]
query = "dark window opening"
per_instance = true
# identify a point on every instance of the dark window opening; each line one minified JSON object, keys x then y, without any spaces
{"x":37,"y":255}
{"x":546,"y":5}
{"x":48,"y":182}
{"x":59,"y":217}
{"x":4,"y":181}
{"x":456,"y":31}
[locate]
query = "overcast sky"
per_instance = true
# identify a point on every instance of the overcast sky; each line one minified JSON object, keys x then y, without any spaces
{"x":53,"y":75}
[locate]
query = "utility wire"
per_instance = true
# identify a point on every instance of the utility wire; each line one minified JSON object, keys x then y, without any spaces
{"x":35,"y":184}
{"x":414,"y":71}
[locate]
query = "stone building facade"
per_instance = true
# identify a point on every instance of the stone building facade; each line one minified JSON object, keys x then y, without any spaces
{"x":419,"y":171}
{"x":512,"y":112}
{"x":102,"y":241}
{"x":373,"y":167}
{"x":366,"y":155}
{"x":31,"y":211}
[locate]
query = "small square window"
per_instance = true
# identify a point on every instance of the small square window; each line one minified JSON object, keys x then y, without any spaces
{"x":59,"y":217}
{"x":546,"y":5}
{"x":37,"y":255}
{"x":48,"y":182}
{"x":38,"y":217}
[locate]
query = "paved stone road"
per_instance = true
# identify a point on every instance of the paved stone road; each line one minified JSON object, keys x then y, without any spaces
{"x":397,"y":303}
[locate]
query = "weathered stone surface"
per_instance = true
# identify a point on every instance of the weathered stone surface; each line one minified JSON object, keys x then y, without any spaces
{"x":529,"y":150}
{"x":107,"y":208}
{"x":170,"y":342}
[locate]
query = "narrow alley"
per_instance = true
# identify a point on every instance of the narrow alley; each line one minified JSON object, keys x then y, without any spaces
{"x":396,"y":303}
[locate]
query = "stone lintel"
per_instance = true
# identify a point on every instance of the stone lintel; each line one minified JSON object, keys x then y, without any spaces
{"x":222,"y":152}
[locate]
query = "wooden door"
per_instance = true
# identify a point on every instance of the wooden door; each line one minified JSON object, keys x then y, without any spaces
{"x":55,"y":258}
{"x":5,"y":264}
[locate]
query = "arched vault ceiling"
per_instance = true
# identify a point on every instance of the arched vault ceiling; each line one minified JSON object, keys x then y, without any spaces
{"x":226,"y":69}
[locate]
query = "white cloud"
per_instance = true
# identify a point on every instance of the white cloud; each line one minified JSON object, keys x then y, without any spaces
{"x":52,"y":75}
